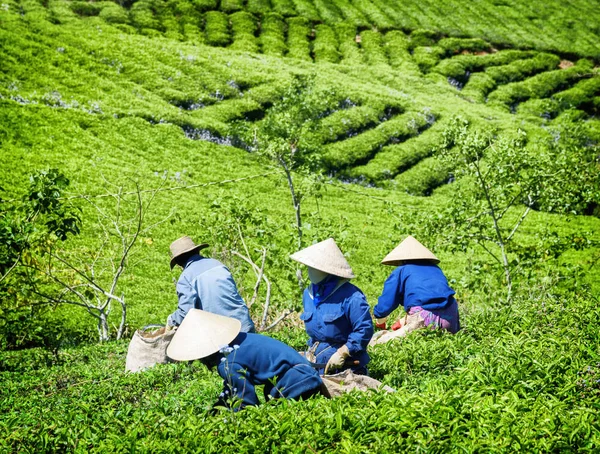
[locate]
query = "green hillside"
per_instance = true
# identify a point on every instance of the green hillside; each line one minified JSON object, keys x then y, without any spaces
{"x":170,"y":97}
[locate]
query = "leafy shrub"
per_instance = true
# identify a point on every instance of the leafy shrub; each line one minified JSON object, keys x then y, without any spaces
{"x":272,"y":36}
{"x":362,"y":147}
{"x":424,"y":177}
{"x":284,"y":7}
{"x":204,"y":5}
{"x":348,"y":122}
{"x":457,"y":66}
{"x":298,"y":38}
{"x":259,"y":7}
{"x":330,"y":14}
{"x":372,"y":45}
{"x":230,"y":6}
{"x":520,"y":69}
{"x":306,"y":9}
{"x":114,"y":14}
{"x":478,"y":86}
{"x":325,"y":45}
{"x":346,"y":36}
{"x":396,"y":46}
{"x":352,"y":15}
{"x":142,"y":16}
{"x":456,"y":45}
{"x":422,"y":38}
{"x":398,"y":158}
{"x":377,"y":17}
{"x":427,"y":57}
{"x":217,"y":28}
{"x":243,"y":25}
{"x":539,"y":86}
{"x":86,"y":8}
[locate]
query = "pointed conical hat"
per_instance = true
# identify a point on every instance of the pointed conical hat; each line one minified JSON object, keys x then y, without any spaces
{"x":325,"y":256}
{"x":409,"y":249}
{"x":201,"y":334}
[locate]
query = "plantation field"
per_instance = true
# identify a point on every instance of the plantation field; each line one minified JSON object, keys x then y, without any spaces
{"x":170,"y":97}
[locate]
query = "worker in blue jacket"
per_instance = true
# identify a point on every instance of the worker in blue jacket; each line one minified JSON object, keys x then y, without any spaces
{"x":421,"y":287}
{"x":243,"y":360}
{"x":336,"y":313}
{"x":206,"y":284}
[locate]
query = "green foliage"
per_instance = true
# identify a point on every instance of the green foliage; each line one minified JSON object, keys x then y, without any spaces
{"x":427,"y":57}
{"x":352,"y":14}
{"x":306,"y":9}
{"x":260,"y":7}
{"x":364,"y":146}
{"x":243,"y":25}
{"x":284,"y":7}
{"x":230,"y":6}
{"x":397,"y":46}
{"x":346,"y":36}
{"x":297,"y":38}
{"x":541,"y":85}
{"x":372,"y":45}
{"x":457,"y":66}
{"x":325,"y":45}
{"x":272,"y":35}
{"x":217,"y":28}
{"x":456,"y":45}
{"x":376,"y":15}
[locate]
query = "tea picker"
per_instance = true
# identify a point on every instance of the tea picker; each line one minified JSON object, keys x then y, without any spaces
{"x":243,"y":360}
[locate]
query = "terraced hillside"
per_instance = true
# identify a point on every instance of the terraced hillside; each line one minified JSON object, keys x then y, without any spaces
{"x":381,"y":135}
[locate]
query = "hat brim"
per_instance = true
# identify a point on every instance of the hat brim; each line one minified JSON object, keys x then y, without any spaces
{"x":195,"y":248}
{"x":401,"y":262}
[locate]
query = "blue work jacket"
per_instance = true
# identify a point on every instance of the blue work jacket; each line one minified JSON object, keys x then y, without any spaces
{"x":342,"y":318}
{"x":261,"y":360}
{"x":414,"y":284}
{"x":207,"y":284}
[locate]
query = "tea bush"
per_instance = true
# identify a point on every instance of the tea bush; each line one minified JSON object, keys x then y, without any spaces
{"x":325,"y":45}
{"x":217,"y":28}
{"x":272,"y":37}
{"x":372,"y":46}
{"x":243,"y":26}
{"x":298,"y":38}
{"x":346,"y":36}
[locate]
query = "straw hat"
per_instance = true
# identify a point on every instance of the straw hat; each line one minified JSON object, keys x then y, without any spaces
{"x":182,"y":246}
{"x":325,"y":256}
{"x":409,"y":249}
{"x":201,"y":334}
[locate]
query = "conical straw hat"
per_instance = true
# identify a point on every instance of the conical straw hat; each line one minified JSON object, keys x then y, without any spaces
{"x":409,"y":249}
{"x":182,"y":246}
{"x":201,"y":334}
{"x":325,"y":256}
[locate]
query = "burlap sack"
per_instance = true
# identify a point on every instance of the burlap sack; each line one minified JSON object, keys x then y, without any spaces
{"x":346,"y":381}
{"x":148,"y":347}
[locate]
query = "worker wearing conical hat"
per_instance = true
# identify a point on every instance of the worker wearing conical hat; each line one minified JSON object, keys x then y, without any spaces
{"x":205,"y":283}
{"x":421,"y":287}
{"x":243,"y":360}
{"x":336,"y":313}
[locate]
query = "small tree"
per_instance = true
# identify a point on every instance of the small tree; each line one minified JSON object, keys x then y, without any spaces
{"x":286,"y":135}
{"x":92,"y":282}
{"x":30,"y":226}
{"x":502,"y":180}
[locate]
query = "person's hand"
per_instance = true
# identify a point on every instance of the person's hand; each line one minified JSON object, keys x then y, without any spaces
{"x":338,"y":359}
{"x":381,"y":323}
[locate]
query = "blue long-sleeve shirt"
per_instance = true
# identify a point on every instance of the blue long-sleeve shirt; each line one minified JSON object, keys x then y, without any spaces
{"x":262,"y":360}
{"x":414,"y":284}
{"x":342,"y":318}
{"x":207,"y":284}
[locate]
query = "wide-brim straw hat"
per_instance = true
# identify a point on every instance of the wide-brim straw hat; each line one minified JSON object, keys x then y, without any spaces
{"x":182,"y":246}
{"x":201,"y":334}
{"x":409,"y":249}
{"x":327,"y":257}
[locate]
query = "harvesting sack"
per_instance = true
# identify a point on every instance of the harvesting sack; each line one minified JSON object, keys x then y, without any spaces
{"x":346,"y":381}
{"x":148,"y":348}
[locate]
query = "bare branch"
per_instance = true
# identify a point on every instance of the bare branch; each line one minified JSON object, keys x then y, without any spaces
{"x":278,"y":320}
